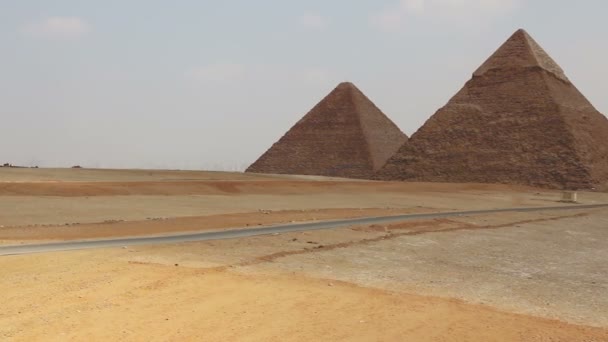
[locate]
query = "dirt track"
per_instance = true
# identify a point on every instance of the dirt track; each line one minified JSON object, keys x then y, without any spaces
{"x":182,"y":224}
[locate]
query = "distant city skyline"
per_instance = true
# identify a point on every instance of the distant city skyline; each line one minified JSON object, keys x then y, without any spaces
{"x":208,"y":85}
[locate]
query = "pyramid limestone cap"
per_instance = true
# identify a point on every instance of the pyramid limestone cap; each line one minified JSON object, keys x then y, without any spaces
{"x":349,"y":89}
{"x":521,"y":51}
{"x":346,"y":85}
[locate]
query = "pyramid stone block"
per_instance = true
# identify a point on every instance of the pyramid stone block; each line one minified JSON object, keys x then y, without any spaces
{"x":345,"y":135}
{"x":519,"y":120}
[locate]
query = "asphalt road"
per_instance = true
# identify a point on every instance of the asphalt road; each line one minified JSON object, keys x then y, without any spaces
{"x":246,"y":232}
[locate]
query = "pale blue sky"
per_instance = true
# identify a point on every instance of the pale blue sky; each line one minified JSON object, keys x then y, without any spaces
{"x":210,"y":84}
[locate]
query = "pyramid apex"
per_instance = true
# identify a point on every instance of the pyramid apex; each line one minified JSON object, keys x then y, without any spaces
{"x":521,"y":51}
{"x":347,"y":85}
{"x":522,"y":34}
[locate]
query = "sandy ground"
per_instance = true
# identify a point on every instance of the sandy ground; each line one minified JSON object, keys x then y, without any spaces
{"x":503,"y":277}
{"x":546,"y":265}
{"x":105,"y":175}
{"x":163,"y":303}
{"x":31,"y":197}
{"x":361,"y":285}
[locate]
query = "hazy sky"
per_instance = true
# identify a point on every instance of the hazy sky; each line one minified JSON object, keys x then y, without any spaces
{"x":212,"y":84}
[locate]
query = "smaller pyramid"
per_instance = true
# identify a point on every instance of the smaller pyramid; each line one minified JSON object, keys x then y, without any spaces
{"x":345,"y":135}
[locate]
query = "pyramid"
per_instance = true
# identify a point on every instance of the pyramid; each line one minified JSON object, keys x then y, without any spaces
{"x":345,"y":135}
{"x":519,"y":120}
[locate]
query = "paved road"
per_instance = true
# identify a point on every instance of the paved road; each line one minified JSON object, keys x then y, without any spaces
{"x":241,"y":233}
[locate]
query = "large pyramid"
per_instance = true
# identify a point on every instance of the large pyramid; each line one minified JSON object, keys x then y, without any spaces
{"x":519,"y":120}
{"x":345,"y":135}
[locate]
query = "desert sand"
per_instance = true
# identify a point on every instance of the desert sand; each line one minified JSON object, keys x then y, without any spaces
{"x":503,"y":277}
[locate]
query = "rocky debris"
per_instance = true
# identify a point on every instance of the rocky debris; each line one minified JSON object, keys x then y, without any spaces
{"x":9,"y":165}
{"x":158,"y":218}
{"x":519,"y":120}
{"x":345,"y":135}
{"x":112,"y":221}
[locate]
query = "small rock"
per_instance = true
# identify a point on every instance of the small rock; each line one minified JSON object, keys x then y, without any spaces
{"x":330,"y":284}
